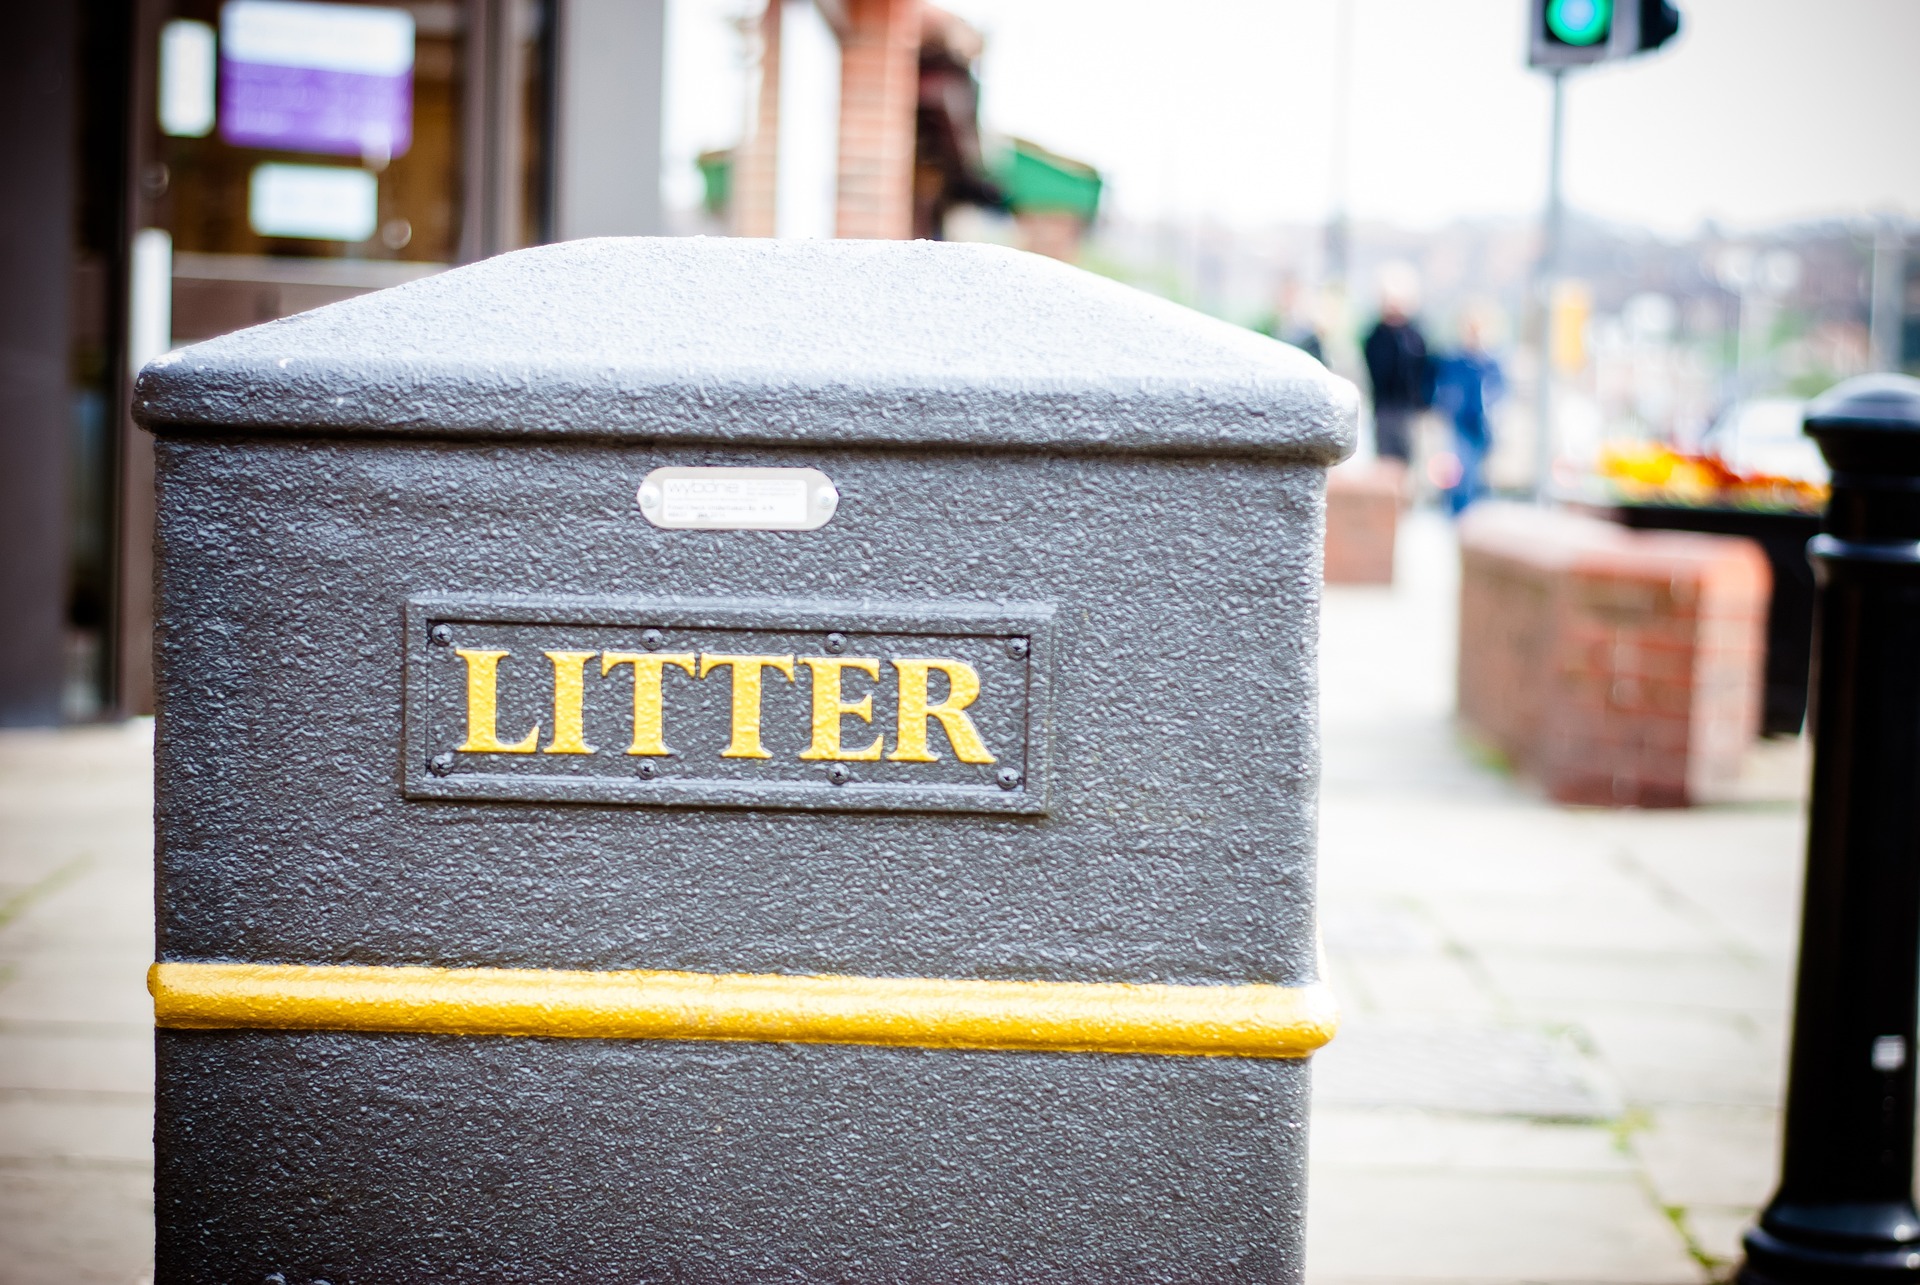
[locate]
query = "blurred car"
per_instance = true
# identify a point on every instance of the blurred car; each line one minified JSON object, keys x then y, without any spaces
{"x":1753,"y":457}
{"x":1763,"y":436}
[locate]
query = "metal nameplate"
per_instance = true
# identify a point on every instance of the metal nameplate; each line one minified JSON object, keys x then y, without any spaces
{"x":679,"y":498}
{"x":728,"y":703}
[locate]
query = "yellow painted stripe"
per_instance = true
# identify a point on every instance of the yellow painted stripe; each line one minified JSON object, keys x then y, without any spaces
{"x":1242,"y":1021}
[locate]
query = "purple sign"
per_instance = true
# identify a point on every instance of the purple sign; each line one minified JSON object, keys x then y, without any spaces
{"x":307,"y":77}
{"x":299,"y":109}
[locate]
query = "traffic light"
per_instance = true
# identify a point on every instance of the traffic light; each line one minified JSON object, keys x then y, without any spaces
{"x":1576,"y":33}
{"x":1579,"y":24}
{"x":1659,"y":23}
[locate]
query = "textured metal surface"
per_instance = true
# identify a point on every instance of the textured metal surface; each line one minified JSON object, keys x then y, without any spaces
{"x":768,"y":342}
{"x":541,"y":1160}
{"x":1180,"y":837}
{"x":1000,"y":431}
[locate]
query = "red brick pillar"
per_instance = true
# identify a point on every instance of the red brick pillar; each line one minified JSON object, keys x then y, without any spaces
{"x":879,"y":91}
{"x":1363,"y":513}
{"x":756,"y":164}
{"x":1618,"y":667}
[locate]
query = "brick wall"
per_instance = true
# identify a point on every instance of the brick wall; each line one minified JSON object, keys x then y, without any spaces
{"x":1058,"y":234}
{"x":879,"y":93}
{"x":756,"y":165}
{"x":879,"y":96}
{"x":1364,"y":498}
{"x":1618,"y":667}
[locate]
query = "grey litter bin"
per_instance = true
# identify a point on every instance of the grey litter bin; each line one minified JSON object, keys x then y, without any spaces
{"x":727,"y":760}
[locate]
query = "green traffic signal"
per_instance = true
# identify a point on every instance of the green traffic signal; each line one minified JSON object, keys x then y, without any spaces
{"x":1580,"y":22}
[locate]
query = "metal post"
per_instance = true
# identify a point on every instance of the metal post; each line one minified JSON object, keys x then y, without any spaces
{"x":1339,"y":247}
{"x":1887,"y":305}
{"x":1548,"y":275}
{"x":609,"y":63}
{"x":1844,"y":1210}
{"x":1745,"y":340}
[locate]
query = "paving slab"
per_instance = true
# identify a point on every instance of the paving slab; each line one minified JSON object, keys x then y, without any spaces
{"x":76,"y":1228}
{"x":1460,"y":1066}
{"x":1700,"y":1156}
{"x":1378,"y":924}
{"x":1738,"y":868}
{"x":1549,"y":981}
{"x":1503,"y":959}
{"x":88,"y":1060}
{"x":1701,"y":1058}
{"x":1716,"y":1233}
{"x":1406,"y":1139}
{"x":94,"y":991}
{"x":65,"y":1130}
{"x":1380,"y":1225}
{"x":76,"y":1026}
{"x":1441,"y":983}
{"x":1617,"y":918}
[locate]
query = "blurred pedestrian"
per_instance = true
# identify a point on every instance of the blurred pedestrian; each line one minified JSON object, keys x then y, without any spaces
{"x":1397,"y":367}
{"x":1467,"y":384}
{"x":1295,"y":319}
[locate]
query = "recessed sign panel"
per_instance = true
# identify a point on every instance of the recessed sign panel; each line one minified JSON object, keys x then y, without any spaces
{"x":728,"y":704}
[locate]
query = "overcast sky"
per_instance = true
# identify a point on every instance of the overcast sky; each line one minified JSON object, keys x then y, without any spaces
{"x":1762,"y":110}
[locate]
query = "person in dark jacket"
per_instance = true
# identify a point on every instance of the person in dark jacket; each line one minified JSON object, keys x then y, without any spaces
{"x":1398,"y":369}
{"x":1466,"y":385}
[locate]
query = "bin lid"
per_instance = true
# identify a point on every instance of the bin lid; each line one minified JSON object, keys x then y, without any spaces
{"x":738,"y":341}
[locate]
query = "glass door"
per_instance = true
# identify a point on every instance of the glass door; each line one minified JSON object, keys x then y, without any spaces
{"x":303,"y":151}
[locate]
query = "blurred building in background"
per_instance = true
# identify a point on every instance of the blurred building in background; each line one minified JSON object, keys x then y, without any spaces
{"x":186,"y":167}
{"x":181,"y":168}
{"x":1652,"y":337}
{"x":862,"y":119}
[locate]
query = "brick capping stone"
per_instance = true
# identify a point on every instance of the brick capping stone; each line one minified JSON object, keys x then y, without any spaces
{"x":1364,"y":499}
{"x":1619,"y":668}
{"x":879,"y":88}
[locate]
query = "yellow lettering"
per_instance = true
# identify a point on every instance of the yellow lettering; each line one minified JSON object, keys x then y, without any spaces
{"x":746,"y":699}
{"x":649,"y":729}
{"x":963,"y":686}
{"x":483,"y":706}
{"x":829,"y":709}
{"x":569,"y":694}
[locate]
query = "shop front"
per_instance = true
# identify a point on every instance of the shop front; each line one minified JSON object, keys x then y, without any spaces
{"x":205,"y":165}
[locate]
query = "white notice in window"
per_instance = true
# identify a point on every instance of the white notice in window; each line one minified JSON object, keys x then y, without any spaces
{"x":186,"y":78}
{"x":315,"y":202}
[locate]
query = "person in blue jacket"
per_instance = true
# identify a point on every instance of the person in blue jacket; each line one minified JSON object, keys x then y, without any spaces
{"x":1466,"y":385}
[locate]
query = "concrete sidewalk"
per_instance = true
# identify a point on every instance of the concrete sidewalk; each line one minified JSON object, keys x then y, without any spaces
{"x":76,"y":1027}
{"x":1563,"y":1034}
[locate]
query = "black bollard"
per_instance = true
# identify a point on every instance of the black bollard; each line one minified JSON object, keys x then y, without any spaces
{"x":1844,"y":1211}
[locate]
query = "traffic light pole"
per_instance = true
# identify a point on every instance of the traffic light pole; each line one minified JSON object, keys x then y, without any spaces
{"x":1548,"y":276}
{"x":1339,"y":232}
{"x":1562,"y":35}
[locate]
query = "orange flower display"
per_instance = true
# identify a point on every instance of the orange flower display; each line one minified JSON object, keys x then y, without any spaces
{"x":1654,"y":473}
